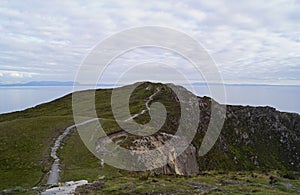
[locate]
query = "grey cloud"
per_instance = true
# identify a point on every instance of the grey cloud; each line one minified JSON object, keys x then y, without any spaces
{"x":249,"y":40}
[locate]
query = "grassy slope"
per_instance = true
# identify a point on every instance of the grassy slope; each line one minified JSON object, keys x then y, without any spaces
{"x":24,"y":148}
{"x":82,"y":164}
{"x":26,"y":137}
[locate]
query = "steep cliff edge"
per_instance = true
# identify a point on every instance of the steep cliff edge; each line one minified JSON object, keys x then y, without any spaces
{"x":252,"y":138}
{"x":184,"y":164}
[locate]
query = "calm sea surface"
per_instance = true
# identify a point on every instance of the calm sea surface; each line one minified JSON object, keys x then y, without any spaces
{"x":19,"y":98}
{"x":283,"y":98}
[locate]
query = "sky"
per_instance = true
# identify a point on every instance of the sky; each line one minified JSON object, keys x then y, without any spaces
{"x":250,"y":41}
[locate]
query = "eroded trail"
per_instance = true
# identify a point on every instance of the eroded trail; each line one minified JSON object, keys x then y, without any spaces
{"x":53,"y":178}
{"x":147,"y":106}
{"x":54,"y":172}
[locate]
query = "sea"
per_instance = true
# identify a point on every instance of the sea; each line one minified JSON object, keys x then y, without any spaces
{"x":283,"y":98}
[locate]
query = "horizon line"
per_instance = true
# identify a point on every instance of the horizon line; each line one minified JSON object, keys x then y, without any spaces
{"x":72,"y":83}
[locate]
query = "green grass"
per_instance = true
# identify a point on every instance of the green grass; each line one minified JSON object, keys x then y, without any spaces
{"x":25,"y":148}
{"x":27,"y":136}
{"x":82,"y":164}
{"x":247,"y":183}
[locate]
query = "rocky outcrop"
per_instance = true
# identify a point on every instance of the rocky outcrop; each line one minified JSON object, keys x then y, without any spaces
{"x":183,"y":164}
{"x":253,"y":138}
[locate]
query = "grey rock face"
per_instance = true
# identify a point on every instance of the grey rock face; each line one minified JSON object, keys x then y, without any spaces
{"x":183,"y":164}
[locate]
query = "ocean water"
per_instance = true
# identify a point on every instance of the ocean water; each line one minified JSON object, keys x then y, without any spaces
{"x":20,"y":98}
{"x":283,"y":98}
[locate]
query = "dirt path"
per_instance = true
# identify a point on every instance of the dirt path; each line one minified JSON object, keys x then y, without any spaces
{"x":54,"y":172}
{"x":147,"y":106}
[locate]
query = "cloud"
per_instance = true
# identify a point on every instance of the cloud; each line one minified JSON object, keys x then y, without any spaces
{"x":22,"y":74}
{"x":16,"y":74}
{"x":250,"y":41}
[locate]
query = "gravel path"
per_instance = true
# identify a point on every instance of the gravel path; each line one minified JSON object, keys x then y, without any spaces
{"x":147,"y":106}
{"x":54,"y":172}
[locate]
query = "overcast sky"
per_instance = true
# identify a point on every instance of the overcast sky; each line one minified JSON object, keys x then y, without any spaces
{"x":251,"y":41}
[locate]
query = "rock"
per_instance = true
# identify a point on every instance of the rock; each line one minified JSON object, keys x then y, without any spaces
{"x":231,"y":182}
{"x":67,"y":188}
{"x":184,"y":164}
{"x":101,"y":177}
{"x":287,"y":185}
{"x":203,"y":187}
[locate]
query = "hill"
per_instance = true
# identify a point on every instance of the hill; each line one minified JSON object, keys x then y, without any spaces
{"x":252,"y":139}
